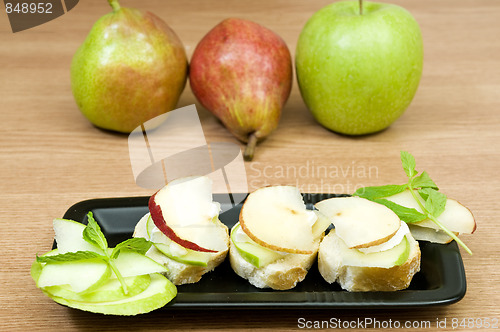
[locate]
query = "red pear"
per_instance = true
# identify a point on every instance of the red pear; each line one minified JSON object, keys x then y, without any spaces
{"x":242,"y":73}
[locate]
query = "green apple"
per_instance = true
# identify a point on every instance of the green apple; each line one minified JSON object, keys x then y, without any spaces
{"x":111,"y":290}
{"x":131,"y":263}
{"x":384,"y":259}
{"x":159,"y":292}
{"x":86,"y":276}
{"x":191,"y":257}
{"x":82,"y":276}
{"x":358,"y":73}
{"x":69,"y":237}
{"x":118,"y":281}
{"x":252,"y":252}
{"x":182,"y":255}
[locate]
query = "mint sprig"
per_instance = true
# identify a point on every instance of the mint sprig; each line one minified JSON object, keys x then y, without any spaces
{"x":139,"y":244}
{"x":68,"y":257}
{"x":93,"y":235}
{"x":434,"y":202}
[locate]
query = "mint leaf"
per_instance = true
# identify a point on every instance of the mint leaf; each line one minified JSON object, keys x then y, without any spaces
{"x":408,"y":215}
{"x":423,"y":193}
{"x":408,"y":164}
{"x":435,"y":202}
{"x":372,"y":193}
{"x":68,"y":257}
{"x":93,"y":234}
{"x":138,"y":244}
{"x":424,"y":181}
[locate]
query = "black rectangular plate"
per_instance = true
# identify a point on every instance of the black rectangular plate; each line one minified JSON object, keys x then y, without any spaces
{"x":441,"y":279}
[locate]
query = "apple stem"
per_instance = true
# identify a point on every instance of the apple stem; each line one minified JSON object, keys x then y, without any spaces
{"x":114,"y":4}
{"x":250,"y":148}
{"x":360,"y":7}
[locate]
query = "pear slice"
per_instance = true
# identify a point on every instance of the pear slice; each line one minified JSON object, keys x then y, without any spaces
{"x":276,"y":218}
{"x":430,"y":234}
{"x":360,"y":223}
{"x":321,"y":224}
{"x":184,"y":211}
{"x":456,"y":217}
{"x":69,"y":237}
{"x":85,"y":275}
{"x":159,"y":292}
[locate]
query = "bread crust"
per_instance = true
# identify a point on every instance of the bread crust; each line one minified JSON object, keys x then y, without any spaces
{"x":365,"y":279}
{"x":282,"y":274}
{"x":180,"y":273}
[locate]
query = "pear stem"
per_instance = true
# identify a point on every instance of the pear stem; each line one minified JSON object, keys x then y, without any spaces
{"x":360,"y":7}
{"x":114,"y":4}
{"x":250,"y":148}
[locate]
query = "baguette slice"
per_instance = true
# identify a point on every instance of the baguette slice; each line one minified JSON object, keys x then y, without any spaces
{"x":180,"y":273}
{"x":283,"y":274}
{"x":362,"y":278}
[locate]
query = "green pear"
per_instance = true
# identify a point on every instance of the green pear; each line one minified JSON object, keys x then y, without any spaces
{"x":131,"y":68}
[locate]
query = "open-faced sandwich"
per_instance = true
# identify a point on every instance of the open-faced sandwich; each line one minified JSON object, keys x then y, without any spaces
{"x":370,"y":249}
{"x":429,"y":213}
{"x":277,"y":238}
{"x":183,"y":224}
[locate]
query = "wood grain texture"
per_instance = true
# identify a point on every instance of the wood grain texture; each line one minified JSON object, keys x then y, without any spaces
{"x":51,"y":157}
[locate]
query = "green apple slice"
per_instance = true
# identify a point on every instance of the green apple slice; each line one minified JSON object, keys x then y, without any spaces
{"x":159,"y":292}
{"x":150,"y":226}
{"x":111,"y":290}
{"x":252,"y":252}
{"x":69,"y":237}
{"x":36,"y":268}
{"x":81,"y":276}
{"x":385,"y":259}
{"x":180,"y":254}
{"x":131,"y":263}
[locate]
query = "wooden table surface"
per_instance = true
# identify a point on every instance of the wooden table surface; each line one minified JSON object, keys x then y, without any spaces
{"x":51,"y":157}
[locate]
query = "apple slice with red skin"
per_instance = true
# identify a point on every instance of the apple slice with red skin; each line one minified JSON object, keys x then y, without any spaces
{"x":159,"y":221}
{"x":185,"y":212}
